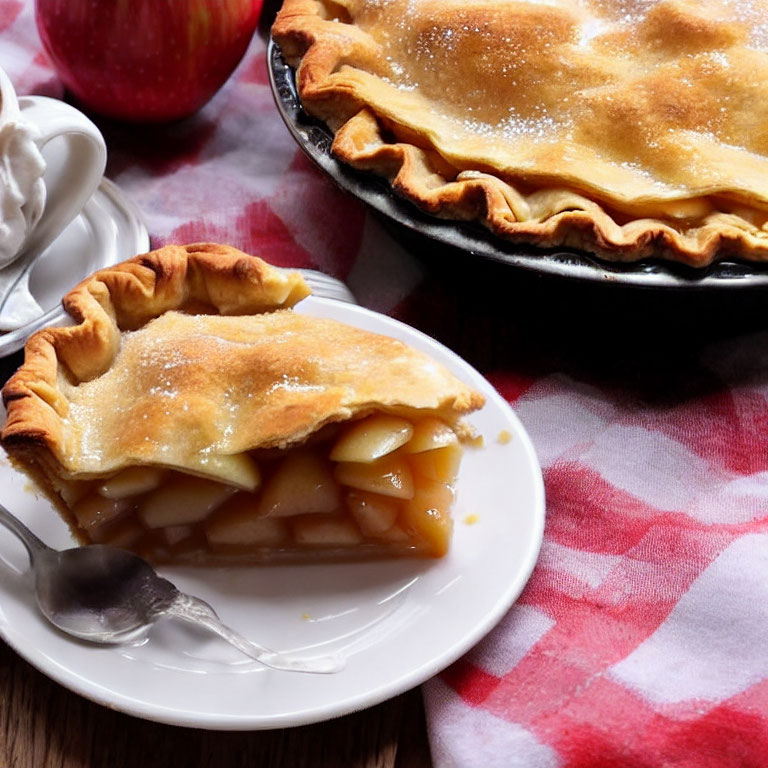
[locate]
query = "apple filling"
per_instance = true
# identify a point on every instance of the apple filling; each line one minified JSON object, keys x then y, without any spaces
{"x":383,"y":483}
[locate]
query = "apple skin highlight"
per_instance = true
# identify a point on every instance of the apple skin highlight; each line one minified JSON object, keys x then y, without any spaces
{"x":145,"y":61}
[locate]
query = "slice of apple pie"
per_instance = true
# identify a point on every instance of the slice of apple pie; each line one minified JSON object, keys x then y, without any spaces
{"x":191,"y":416}
{"x":629,"y":129}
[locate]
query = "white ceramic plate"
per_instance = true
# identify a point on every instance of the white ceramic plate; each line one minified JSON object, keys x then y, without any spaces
{"x":397,"y":623}
{"x":108,"y":230}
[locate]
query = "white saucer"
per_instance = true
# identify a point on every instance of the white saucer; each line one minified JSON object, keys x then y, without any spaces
{"x":108,"y":230}
{"x":396,"y":623}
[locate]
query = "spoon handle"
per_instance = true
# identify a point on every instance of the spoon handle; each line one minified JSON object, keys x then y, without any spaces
{"x":197,"y":611}
{"x":33,"y":544}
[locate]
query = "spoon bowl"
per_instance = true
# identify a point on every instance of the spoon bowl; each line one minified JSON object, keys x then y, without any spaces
{"x":99,"y":593}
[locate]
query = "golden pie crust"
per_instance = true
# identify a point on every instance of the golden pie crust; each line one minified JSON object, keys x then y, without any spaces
{"x":630,"y":130}
{"x":190,"y":361}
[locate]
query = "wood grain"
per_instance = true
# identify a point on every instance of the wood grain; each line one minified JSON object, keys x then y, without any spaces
{"x":43,"y":725}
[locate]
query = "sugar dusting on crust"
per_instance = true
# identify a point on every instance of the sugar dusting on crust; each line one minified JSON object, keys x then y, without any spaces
{"x":190,"y":386}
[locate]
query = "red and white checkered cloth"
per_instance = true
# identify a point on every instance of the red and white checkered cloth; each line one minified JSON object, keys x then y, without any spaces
{"x":642,"y":637}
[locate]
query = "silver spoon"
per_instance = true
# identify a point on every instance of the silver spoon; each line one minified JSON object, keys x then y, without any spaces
{"x":108,"y":595}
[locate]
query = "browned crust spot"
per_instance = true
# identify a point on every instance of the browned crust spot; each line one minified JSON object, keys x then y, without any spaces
{"x":125,"y":297}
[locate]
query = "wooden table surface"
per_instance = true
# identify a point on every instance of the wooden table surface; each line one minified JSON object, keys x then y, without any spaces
{"x":43,"y":725}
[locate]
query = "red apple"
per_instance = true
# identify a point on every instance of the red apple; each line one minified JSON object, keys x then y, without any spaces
{"x":145,"y":60}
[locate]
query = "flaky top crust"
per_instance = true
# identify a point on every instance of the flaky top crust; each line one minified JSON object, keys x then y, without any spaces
{"x":630,"y":130}
{"x":193,"y":351}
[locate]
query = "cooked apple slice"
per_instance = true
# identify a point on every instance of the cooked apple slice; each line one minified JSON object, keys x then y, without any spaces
{"x":237,"y":469}
{"x":389,"y":476}
{"x":441,"y":464}
{"x":373,"y":513}
{"x":428,"y":515}
{"x":395,"y":534}
{"x":174,"y":534}
{"x":132,"y":481}
{"x":235,"y":524}
{"x":430,"y":433}
{"x":94,"y":511}
{"x":302,"y":484}
{"x":325,"y":531}
{"x":371,"y":438}
{"x":121,"y":533}
{"x":182,"y":500}
{"x":72,"y":491}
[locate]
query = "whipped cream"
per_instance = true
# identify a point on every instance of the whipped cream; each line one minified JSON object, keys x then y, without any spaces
{"x":22,"y":191}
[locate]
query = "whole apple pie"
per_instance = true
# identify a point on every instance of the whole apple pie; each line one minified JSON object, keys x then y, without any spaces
{"x":628,"y":129}
{"x":192,"y":416}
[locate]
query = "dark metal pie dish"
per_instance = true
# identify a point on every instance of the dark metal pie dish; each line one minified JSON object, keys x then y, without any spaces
{"x":315,"y":139}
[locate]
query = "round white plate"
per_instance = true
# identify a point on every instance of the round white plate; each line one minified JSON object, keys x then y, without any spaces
{"x":397,"y":623}
{"x":108,"y":230}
